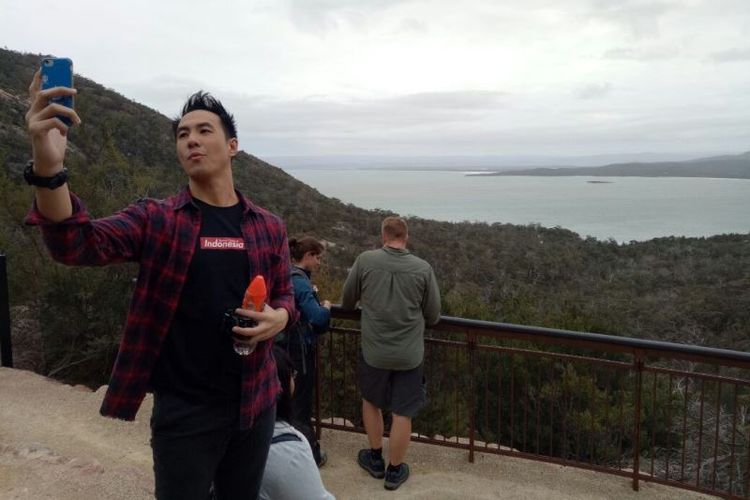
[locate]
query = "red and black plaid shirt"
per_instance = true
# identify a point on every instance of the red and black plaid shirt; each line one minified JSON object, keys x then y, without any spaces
{"x":161,"y":235}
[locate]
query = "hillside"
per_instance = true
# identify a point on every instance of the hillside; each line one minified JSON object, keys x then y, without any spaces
{"x":728,"y":166}
{"x":694,"y":290}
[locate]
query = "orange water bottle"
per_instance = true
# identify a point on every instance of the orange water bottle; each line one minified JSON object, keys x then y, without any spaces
{"x":255,"y":299}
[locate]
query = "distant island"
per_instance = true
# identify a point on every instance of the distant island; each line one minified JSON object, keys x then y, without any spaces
{"x":728,"y":167}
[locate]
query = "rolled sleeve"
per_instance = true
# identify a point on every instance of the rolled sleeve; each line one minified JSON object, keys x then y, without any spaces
{"x":79,"y":240}
{"x":80,"y":215}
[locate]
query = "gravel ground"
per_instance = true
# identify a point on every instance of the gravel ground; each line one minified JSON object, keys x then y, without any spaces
{"x":55,"y":445}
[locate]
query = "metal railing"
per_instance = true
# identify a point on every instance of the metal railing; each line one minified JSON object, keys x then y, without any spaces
{"x":652,"y":411}
{"x":6,"y":348}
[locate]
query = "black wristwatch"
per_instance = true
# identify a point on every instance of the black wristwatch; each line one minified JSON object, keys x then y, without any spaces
{"x":53,"y":182}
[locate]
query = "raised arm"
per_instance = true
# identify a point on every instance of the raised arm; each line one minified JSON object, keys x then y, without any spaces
{"x":49,"y":138}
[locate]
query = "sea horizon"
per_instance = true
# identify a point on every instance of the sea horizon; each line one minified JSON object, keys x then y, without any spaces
{"x":620,"y":208}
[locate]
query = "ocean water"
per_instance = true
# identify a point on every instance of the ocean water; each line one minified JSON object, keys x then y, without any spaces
{"x":621,"y":208}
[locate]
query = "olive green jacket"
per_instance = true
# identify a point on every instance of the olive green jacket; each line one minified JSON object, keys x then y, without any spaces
{"x":398,"y":294}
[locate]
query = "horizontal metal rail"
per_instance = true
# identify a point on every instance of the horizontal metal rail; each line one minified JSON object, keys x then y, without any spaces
{"x":597,"y":341}
{"x":653,"y":411}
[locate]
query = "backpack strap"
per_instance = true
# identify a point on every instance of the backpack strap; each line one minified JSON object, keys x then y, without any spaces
{"x":287,"y":436}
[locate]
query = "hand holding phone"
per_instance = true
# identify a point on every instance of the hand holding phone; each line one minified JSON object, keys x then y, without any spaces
{"x":48,"y":117}
{"x":58,"y":72}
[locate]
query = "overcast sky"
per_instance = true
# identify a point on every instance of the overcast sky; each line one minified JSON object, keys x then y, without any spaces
{"x":432,"y":77}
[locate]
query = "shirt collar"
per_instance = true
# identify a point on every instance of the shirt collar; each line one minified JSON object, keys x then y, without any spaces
{"x":307,"y":273}
{"x":395,"y":251}
{"x":185,"y":198}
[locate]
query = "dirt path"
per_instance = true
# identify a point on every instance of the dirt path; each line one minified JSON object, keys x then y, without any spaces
{"x":54,"y":445}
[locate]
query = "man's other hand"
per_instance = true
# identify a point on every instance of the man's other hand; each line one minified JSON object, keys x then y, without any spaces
{"x":270,"y":322}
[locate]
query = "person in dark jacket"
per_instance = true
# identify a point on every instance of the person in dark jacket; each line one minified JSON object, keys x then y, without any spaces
{"x":301,"y":339}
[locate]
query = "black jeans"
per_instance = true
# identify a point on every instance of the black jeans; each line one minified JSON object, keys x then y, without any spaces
{"x":200,"y":452}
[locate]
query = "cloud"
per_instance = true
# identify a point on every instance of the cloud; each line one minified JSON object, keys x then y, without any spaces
{"x":641,"y":54}
{"x":593,"y":91}
{"x":166,"y":94}
{"x":319,"y":16}
{"x":271,"y":113}
{"x":730,"y":55}
{"x":640,"y":18}
{"x":429,"y":76}
{"x":315,"y":115}
{"x":431,"y":124}
{"x":465,"y":99}
{"x":412,"y":25}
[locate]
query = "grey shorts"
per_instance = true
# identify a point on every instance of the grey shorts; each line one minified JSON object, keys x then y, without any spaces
{"x":403,"y":392}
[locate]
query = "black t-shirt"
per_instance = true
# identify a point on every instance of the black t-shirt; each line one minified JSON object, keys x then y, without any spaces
{"x":197,"y":360}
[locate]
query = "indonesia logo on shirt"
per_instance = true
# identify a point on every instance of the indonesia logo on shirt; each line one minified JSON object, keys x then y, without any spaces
{"x":220,"y":243}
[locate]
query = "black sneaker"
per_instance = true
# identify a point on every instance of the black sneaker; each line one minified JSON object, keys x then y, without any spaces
{"x":396,"y":476}
{"x":321,"y":459}
{"x":371,"y":463}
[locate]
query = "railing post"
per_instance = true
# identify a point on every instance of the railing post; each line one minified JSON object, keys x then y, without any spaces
{"x":472,"y":346}
{"x":6,"y":347}
{"x":638,"y":365}
{"x":317,"y":391}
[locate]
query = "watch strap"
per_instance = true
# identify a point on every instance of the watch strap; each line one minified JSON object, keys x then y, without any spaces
{"x":52,"y":182}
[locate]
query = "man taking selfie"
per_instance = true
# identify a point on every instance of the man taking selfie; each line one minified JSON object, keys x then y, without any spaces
{"x":214,"y":409}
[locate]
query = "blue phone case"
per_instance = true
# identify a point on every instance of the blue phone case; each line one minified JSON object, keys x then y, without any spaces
{"x":58,"y":72}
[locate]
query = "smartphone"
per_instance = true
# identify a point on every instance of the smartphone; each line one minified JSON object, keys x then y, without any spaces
{"x":58,"y":72}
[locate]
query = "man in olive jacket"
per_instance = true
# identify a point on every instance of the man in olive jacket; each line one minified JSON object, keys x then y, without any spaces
{"x":398,"y":295}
